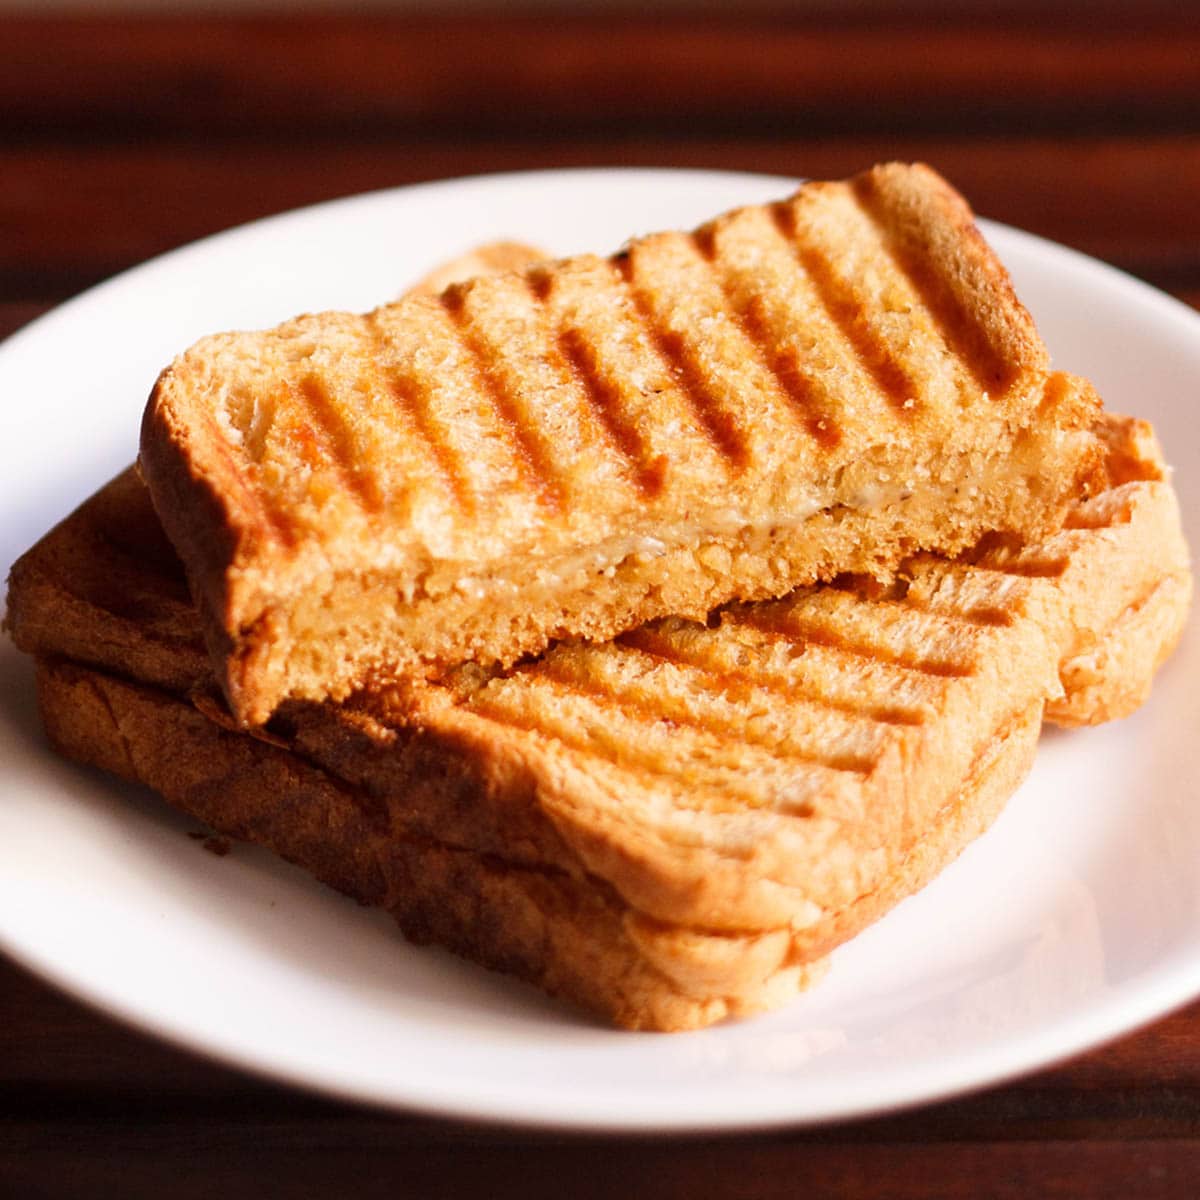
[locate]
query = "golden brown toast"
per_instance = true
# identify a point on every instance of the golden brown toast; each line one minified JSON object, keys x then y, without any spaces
{"x":568,"y":933}
{"x":822,"y":385}
{"x":669,"y":829}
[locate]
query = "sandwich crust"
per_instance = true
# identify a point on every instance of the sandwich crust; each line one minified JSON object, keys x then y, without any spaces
{"x":822,"y":385}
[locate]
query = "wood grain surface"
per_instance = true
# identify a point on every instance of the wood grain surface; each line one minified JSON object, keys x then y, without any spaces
{"x":123,"y":137}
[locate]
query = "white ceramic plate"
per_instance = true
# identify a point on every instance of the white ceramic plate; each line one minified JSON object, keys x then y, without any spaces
{"x":1076,"y":918}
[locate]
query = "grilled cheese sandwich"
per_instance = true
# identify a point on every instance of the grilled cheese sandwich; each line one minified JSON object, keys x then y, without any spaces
{"x":795,"y":390}
{"x":669,"y":829}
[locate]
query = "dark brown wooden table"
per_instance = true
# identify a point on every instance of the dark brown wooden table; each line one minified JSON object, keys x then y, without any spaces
{"x":123,"y":137}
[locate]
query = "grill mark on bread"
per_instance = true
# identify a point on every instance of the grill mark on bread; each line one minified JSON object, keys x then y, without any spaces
{"x":797,"y":629}
{"x":960,"y":330}
{"x":649,"y":471}
{"x":412,"y":397}
{"x":579,"y":360}
{"x":845,"y":308}
{"x":987,"y":616}
{"x":618,"y":710}
{"x":336,"y":441}
{"x":716,"y":422}
{"x":651,"y":710}
{"x":707,"y":798}
{"x":1086,"y":517}
{"x":1055,"y":391}
{"x":782,"y":362}
{"x":1042,"y":568}
{"x":735,"y":683}
{"x":249,"y":485}
{"x":1128,"y":448}
{"x":244,"y":478}
{"x":534,"y":458}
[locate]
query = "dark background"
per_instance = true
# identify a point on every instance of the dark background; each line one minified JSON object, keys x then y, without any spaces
{"x":123,"y":136}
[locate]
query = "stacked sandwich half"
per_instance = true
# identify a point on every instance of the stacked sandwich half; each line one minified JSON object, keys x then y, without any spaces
{"x":642,"y":626}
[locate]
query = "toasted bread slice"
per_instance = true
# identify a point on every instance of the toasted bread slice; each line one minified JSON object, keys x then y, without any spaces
{"x":822,"y":385}
{"x":670,"y":829}
{"x":568,"y":933}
